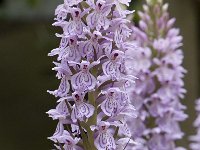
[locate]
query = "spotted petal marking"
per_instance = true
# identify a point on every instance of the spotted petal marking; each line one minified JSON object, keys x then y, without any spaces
{"x":81,"y":110}
{"x":76,"y":114}
{"x":105,"y":141}
{"x":83,"y":79}
{"x":111,"y":142}
{"x":111,"y":69}
{"x":63,"y":43}
{"x":79,"y":28}
{"x":70,"y":53}
{"x":86,"y":47}
{"x":69,"y":28}
{"x":118,"y":38}
{"x":109,"y":106}
{"x":126,"y":130}
{"x":101,"y":141}
{"x":92,"y":19}
{"x":103,"y":22}
{"x":86,"y":109}
{"x":108,"y":68}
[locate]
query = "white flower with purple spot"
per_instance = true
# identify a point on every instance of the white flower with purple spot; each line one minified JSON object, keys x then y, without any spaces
{"x":113,"y":65}
{"x":98,"y":18}
{"x":81,"y":109}
{"x":84,"y":77}
{"x":104,"y":139}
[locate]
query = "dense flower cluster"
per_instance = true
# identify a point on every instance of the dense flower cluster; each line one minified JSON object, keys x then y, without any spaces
{"x":93,"y":60}
{"x":195,"y":139}
{"x":160,"y":86}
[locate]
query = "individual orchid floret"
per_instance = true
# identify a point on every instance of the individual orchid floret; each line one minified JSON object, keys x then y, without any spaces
{"x":61,"y":111}
{"x":113,"y":65}
{"x":63,"y":70}
{"x":76,"y":25}
{"x":71,"y":52}
{"x":61,"y":14}
{"x":68,"y":49}
{"x":104,"y":139}
{"x":98,"y":18}
{"x":119,"y":8}
{"x":84,"y":77}
{"x":81,"y":109}
{"x":68,"y":141}
{"x":63,"y":44}
{"x":91,"y":47}
{"x":110,"y":105}
{"x":121,"y":31}
{"x":63,"y":89}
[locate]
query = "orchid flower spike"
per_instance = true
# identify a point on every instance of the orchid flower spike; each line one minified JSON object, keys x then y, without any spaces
{"x":93,"y":65}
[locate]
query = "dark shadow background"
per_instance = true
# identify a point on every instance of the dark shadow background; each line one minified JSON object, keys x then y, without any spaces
{"x":26,"y":36}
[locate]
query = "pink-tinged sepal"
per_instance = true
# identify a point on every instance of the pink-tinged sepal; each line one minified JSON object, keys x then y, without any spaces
{"x":63,"y":70}
{"x":59,"y":131}
{"x":63,"y":89}
{"x":61,"y":111}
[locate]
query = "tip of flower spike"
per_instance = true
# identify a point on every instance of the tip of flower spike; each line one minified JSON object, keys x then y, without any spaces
{"x":153,"y":2}
{"x":165,"y":7}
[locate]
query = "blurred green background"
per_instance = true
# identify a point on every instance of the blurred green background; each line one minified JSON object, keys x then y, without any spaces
{"x":26,"y":36}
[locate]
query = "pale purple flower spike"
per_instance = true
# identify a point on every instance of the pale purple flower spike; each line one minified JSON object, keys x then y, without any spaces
{"x":159,"y":89}
{"x":94,"y":61}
